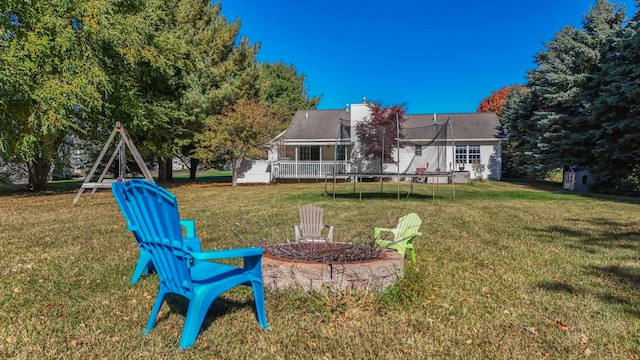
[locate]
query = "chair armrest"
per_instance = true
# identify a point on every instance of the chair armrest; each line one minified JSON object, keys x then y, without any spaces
{"x":192,"y":244}
{"x":377,"y":231}
{"x":226,"y":254}
{"x":296,"y":229}
{"x":190,"y":228}
{"x":330,"y":234}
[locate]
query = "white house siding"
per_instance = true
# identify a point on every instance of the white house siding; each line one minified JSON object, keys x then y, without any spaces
{"x":255,"y":172}
{"x":490,"y":156}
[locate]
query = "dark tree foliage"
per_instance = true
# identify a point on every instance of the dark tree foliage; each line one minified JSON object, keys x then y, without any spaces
{"x":377,"y":135}
{"x":520,"y":151}
{"x":284,"y":92}
{"x":558,"y":112}
{"x":617,"y":111}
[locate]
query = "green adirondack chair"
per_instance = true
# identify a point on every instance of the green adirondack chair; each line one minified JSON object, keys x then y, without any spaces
{"x":403,"y":235}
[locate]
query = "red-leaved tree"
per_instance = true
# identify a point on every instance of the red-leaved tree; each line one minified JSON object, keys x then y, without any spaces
{"x":495,"y":101}
{"x":377,"y":134}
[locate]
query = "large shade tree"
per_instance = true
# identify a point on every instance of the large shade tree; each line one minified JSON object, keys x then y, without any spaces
{"x":161,"y":68}
{"x":241,"y":132}
{"x":51,"y":81}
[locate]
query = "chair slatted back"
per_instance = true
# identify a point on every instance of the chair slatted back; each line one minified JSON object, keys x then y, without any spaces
{"x":408,"y":226}
{"x":311,"y":223}
{"x":155,"y":221}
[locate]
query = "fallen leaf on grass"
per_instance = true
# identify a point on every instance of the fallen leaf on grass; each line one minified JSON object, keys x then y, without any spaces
{"x":583,"y":339}
{"x":531,"y":330}
{"x":561,"y":326}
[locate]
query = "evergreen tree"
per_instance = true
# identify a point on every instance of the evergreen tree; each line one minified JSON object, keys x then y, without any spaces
{"x":561,"y":90}
{"x":617,"y":112}
{"x":521,"y":148}
{"x":220,"y":70}
{"x":284,"y":92}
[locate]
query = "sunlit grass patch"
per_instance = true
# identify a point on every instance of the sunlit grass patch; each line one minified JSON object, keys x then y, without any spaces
{"x":500,"y":267}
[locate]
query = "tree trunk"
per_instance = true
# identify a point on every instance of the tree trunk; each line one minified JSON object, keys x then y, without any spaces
{"x":169,"y":169}
{"x":237,"y":162}
{"x":193,"y":168}
{"x":162,"y":170}
{"x":38,"y":174}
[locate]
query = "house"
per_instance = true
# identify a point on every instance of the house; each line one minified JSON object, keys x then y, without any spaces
{"x":321,"y":143}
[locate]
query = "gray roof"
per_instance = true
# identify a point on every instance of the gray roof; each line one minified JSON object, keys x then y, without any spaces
{"x":316,"y":124}
{"x":323,"y":125}
{"x":466,"y":126}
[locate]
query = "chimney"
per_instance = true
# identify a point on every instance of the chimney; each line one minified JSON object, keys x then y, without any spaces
{"x":346,"y":108}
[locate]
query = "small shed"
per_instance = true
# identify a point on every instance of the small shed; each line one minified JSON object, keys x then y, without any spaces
{"x":576,"y":179}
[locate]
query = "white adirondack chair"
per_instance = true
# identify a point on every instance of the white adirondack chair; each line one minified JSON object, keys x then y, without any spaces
{"x":311,"y":226}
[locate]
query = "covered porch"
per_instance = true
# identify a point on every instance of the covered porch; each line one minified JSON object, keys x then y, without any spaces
{"x":310,"y":160}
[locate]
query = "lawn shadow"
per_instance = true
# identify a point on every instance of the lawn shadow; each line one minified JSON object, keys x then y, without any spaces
{"x":625,"y":282}
{"x":57,"y":188}
{"x":559,"y":287}
{"x":556,"y":187}
{"x":221,"y":306}
{"x":381,"y":196}
{"x":609,"y":233}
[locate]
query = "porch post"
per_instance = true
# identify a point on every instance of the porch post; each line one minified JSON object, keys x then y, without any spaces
{"x":296,"y":162}
{"x":320,"y":172}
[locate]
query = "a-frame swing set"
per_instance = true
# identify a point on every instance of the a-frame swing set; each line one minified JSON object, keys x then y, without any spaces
{"x":123,"y":143}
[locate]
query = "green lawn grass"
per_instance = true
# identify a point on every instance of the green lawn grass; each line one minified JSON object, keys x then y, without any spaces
{"x":499,"y":265}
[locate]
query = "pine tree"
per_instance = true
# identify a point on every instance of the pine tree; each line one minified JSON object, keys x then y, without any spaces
{"x":617,"y":112}
{"x":561,"y":87}
{"x":520,"y":150}
{"x":283,"y":91}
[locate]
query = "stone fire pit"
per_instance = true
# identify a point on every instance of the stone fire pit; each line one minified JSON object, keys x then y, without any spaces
{"x":286,"y":273}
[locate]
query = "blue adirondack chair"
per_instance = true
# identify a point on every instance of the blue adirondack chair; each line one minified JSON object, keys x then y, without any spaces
{"x":154,"y":220}
{"x":145,"y":263}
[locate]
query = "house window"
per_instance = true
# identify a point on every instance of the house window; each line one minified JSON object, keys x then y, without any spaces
{"x":305,"y":153}
{"x":341,"y":153}
{"x":283,"y":152}
{"x":467,"y":154}
{"x":418,"y":150}
{"x":461,"y":154}
{"x":474,"y":153}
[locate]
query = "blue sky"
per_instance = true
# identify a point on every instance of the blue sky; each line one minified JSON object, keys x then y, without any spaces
{"x":436,"y":56}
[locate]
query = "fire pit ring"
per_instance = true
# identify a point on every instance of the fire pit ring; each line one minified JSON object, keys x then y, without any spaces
{"x":376,"y":274}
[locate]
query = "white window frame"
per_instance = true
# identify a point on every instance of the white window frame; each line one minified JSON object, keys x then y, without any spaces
{"x":304,"y":153}
{"x":461,"y":154}
{"x":473,"y":153}
{"x":467,"y":154}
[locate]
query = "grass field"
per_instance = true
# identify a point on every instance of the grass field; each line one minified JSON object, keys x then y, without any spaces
{"x":504,"y":271}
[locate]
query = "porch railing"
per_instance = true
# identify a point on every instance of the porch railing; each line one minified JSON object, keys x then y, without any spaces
{"x":291,"y":169}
